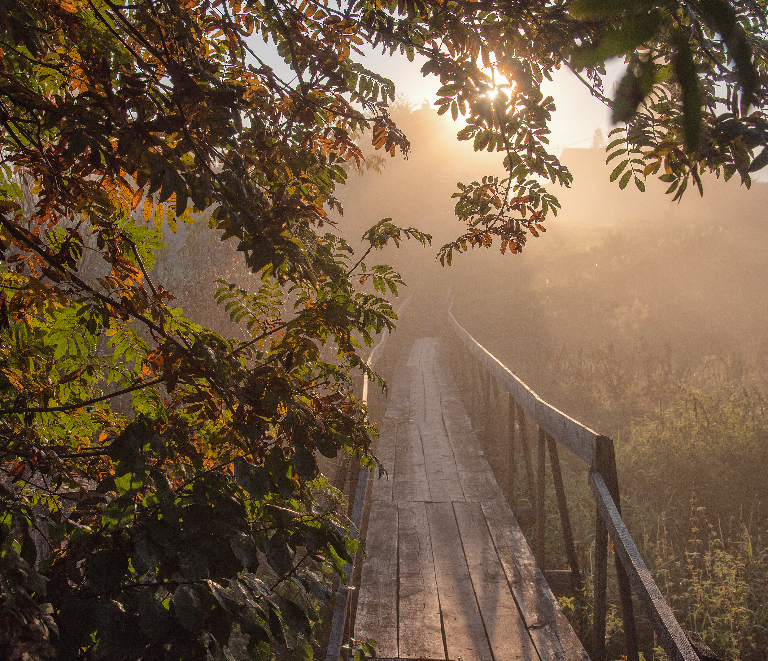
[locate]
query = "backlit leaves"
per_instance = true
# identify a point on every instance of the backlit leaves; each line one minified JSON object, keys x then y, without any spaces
{"x":683,"y":70}
{"x":171,"y":455}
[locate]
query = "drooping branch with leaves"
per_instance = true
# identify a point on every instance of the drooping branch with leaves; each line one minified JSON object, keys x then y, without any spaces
{"x":196,"y":515}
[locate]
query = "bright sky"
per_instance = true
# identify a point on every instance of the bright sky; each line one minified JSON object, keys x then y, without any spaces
{"x":573,"y":125}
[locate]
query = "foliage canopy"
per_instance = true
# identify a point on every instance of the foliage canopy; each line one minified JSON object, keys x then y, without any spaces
{"x":199,"y":516}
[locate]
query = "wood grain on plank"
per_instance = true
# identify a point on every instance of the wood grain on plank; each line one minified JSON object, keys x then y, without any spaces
{"x":477,"y":480}
{"x":475,"y":474}
{"x":552,"y":635}
{"x":377,"y":602}
{"x":463,"y":627}
{"x":505,"y":628}
{"x":439,"y":457}
{"x":410,"y":477}
{"x":385,"y":452}
{"x":397,"y":412}
{"x":419,"y":632}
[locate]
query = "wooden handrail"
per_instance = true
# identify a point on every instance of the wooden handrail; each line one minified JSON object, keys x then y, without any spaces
{"x":579,"y":439}
{"x":584,"y":442}
{"x":670,"y":633}
{"x":341,"y":610}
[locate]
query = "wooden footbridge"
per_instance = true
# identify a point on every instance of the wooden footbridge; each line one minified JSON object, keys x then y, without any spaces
{"x":447,"y":571}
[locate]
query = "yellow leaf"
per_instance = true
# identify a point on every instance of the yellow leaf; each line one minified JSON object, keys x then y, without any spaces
{"x":147,"y":209}
{"x":15,"y":377}
{"x":136,"y":199}
{"x":159,"y":217}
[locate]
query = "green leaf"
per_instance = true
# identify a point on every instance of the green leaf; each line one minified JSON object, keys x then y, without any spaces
{"x":254,"y":479}
{"x":625,"y":179}
{"x":188,"y":608}
{"x":636,"y":84}
{"x":130,"y":482}
{"x":296,"y":619}
{"x":685,"y":72}
{"x":721,"y":16}
{"x":600,"y":8}
{"x":154,"y":619}
{"x":761,"y":160}
{"x":304,"y":463}
{"x":107,"y":569}
{"x":245,"y":550}
{"x":279,"y":555}
{"x":618,"y":169}
{"x":635,"y":29}
{"x":118,"y":513}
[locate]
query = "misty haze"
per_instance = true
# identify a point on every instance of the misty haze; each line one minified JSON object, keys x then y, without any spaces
{"x":644,"y":319}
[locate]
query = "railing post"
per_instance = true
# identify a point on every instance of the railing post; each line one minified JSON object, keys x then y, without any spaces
{"x":526,"y":447}
{"x":476,"y":389}
{"x":600,"y":580}
{"x":541,"y":514}
{"x":606,"y":461}
{"x":597,"y":451}
{"x":491,"y":417}
{"x":512,"y":434}
{"x":565,"y":519}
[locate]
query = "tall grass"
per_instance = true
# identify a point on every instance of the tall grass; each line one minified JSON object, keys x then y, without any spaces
{"x":692,"y":441}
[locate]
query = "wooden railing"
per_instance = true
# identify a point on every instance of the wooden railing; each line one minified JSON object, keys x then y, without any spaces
{"x":598,"y":453}
{"x":340,"y":622}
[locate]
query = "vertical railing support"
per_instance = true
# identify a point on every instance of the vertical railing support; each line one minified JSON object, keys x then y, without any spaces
{"x":541,"y":514}
{"x":605,"y":459}
{"x":565,"y":519}
{"x":526,"y":448}
{"x":512,"y":436}
{"x":597,"y":651}
{"x":598,"y":453}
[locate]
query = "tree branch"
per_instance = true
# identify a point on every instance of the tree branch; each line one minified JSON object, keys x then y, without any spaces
{"x":87,"y":402}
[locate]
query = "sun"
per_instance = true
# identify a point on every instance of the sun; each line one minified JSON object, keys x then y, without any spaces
{"x":498,"y":82}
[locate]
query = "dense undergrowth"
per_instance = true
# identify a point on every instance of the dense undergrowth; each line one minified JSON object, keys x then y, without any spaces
{"x":651,"y":332}
{"x":693,"y":474}
{"x":691,"y":443}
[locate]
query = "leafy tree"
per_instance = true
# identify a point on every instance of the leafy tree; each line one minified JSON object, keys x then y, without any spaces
{"x":200,"y":519}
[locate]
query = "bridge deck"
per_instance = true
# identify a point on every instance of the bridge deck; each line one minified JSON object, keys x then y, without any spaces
{"x":448,"y":573}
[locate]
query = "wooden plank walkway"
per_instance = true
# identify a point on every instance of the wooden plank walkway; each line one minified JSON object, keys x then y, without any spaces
{"x":448,"y":573}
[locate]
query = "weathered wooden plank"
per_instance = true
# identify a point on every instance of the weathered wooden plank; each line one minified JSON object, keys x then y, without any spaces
{"x":410,"y":477}
{"x":671,"y":635}
{"x":385,"y":451}
{"x":475,"y":475}
{"x":465,"y":635}
{"x":419,"y":630}
{"x":439,"y":456}
{"x":377,"y":601}
{"x":551,"y":633}
{"x":440,"y":466}
{"x":474,"y":472}
{"x":505,"y":628}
